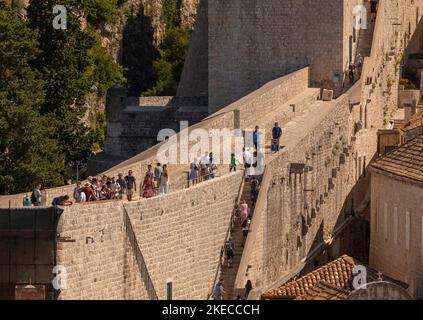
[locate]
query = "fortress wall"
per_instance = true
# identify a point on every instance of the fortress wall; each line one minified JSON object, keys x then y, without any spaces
{"x":324,"y":41}
{"x":194,"y":78}
{"x":272,"y":96}
{"x":181,"y":235}
{"x":290,"y":221}
{"x":99,"y":264}
{"x":12,"y":201}
{"x":252,"y":42}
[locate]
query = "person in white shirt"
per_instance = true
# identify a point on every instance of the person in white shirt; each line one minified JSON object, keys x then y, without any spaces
{"x":248,"y":161}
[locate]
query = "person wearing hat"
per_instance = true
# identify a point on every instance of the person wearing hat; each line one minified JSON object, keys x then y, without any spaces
{"x":89,"y":192}
{"x":122,"y":185}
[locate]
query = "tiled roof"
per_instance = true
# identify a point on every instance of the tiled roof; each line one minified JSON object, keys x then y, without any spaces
{"x":415,"y":121}
{"x":324,"y":291}
{"x":331,"y":282}
{"x":405,"y":161}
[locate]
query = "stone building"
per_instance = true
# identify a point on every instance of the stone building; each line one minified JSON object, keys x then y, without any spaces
{"x":396,"y":246}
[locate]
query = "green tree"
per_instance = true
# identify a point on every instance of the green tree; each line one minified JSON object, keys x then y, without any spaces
{"x":100,"y":10}
{"x":168,"y":67}
{"x":171,"y":14}
{"x":27,"y":151}
{"x":65,"y":64}
{"x":103,"y":71}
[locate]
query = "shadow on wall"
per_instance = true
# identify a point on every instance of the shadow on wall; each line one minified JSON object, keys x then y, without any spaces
{"x":350,"y":234}
{"x":138,"y":53}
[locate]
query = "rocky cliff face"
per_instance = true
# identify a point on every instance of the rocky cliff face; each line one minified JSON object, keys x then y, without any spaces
{"x":132,"y":39}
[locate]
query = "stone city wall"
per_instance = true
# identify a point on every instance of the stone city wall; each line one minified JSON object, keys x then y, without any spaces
{"x":180,"y":237}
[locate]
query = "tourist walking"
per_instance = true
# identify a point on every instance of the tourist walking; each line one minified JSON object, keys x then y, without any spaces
{"x":157,"y":175}
{"x":122,"y":185}
{"x":36,"y":196}
{"x":194,"y":169}
{"x":233,"y":164}
{"x":147,"y":187}
{"x":276,"y":136}
{"x":204,"y":166}
{"x":164,"y":181}
{"x":219,"y":290}
{"x":131,"y":185}
{"x":90,"y":194}
{"x":248,"y":288}
{"x":351,"y":73}
{"x":78,"y":193}
{"x":213,"y":169}
{"x":248,"y":160}
{"x":245,"y":229}
{"x":230,"y":247}
{"x":115,"y":189}
{"x":256,"y":137}
{"x":150,"y":171}
{"x":243,"y":209}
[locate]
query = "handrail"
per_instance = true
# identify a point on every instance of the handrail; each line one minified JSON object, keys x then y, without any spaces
{"x":228,"y":233}
{"x":139,"y":257}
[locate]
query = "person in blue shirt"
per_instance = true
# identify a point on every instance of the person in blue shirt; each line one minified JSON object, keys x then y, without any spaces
{"x":276,"y":136}
{"x":219,"y":291}
{"x":256,"y":137}
{"x":61,"y":201}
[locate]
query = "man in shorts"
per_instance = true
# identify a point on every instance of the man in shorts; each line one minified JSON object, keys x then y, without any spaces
{"x":131,"y":185}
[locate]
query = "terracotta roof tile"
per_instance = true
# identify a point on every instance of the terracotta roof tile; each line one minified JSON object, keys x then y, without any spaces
{"x":415,"y":121}
{"x":332,"y":281}
{"x":324,"y":291}
{"x":405,"y":161}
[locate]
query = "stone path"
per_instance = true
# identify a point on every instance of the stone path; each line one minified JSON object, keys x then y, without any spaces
{"x":229,"y":274}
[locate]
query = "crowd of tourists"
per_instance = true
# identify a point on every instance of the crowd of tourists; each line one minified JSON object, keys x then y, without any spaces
{"x":157,"y":181}
{"x":203,"y":169}
{"x":116,"y":188}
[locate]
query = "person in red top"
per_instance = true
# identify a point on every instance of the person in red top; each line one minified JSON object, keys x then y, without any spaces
{"x":89,"y":192}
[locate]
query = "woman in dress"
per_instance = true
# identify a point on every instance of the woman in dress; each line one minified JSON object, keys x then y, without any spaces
{"x":243,"y":211}
{"x":148,"y":187}
{"x":193,"y":175}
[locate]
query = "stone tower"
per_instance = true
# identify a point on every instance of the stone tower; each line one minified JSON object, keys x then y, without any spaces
{"x":251,"y":42}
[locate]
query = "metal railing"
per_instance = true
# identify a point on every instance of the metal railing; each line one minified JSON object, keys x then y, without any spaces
{"x":145,"y":275}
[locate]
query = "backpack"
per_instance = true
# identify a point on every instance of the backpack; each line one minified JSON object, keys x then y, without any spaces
{"x":33,"y":199}
{"x":228,"y":246}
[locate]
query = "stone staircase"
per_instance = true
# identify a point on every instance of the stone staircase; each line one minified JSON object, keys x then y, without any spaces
{"x":229,"y":274}
{"x":365,"y":39}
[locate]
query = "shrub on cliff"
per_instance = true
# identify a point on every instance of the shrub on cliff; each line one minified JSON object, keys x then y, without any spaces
{"x":168,"y":68}
{"x":100,"y":10}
